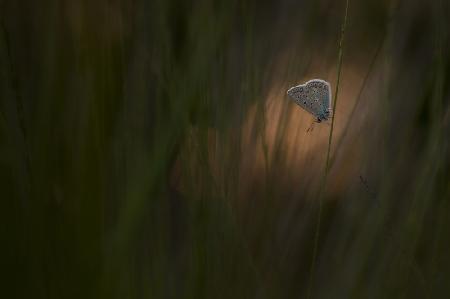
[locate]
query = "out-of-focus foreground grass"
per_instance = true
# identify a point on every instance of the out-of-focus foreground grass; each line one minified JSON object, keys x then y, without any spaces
{"x":148,"y":150}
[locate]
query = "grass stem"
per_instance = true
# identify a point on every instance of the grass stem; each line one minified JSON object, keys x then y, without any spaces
{"x":327,"y":163}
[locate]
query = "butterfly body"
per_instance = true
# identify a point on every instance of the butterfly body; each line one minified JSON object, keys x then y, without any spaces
{"x":315,"y":97}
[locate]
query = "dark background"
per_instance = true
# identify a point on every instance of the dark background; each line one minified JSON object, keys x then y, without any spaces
{"x":148,"y":149}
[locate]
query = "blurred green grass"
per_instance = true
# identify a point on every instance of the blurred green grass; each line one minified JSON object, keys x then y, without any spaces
{"x":148,"y":150}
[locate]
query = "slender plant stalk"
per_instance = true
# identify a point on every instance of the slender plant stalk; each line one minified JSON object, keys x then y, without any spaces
{"x":341,"y":44}
{"x":357,"y":101}
{"x":366,"y":78}
{"x":17,"y":97}
{"x":327,"y":164}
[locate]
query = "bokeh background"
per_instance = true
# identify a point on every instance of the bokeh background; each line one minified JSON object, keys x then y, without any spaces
{"x":148,"y":149}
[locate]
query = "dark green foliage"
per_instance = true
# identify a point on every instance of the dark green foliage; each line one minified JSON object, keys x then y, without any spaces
{"x":148,"y":149}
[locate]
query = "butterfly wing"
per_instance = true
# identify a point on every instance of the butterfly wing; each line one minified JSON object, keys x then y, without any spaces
{"x":321,"y":96}
{"x":325,"y":93}
{"x":300,"y":95}
{"x":314,"y":96}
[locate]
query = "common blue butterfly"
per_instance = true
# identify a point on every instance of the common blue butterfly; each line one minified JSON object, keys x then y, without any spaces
{"x":315,"y":97}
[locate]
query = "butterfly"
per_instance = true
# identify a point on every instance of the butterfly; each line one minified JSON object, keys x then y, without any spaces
{"x":315,"y":97}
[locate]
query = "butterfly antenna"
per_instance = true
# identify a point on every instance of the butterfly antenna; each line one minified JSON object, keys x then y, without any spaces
{"x":311,"y":127}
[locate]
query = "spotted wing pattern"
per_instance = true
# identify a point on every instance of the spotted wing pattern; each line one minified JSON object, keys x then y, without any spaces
{"x":314,"y":96}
